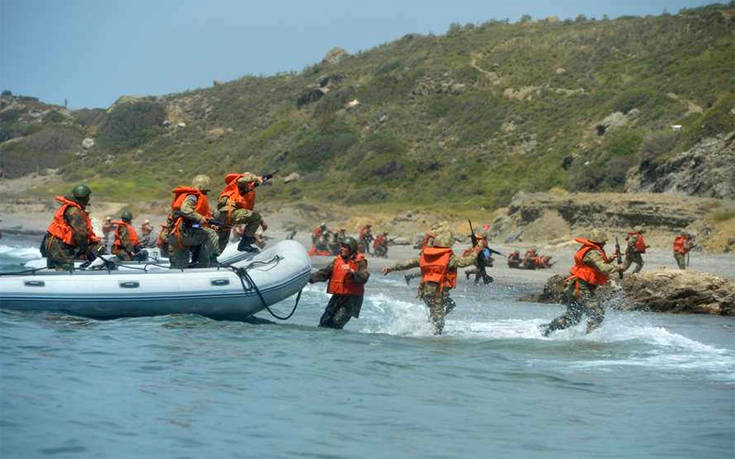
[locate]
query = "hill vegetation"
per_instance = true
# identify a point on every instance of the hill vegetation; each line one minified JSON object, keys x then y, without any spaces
{"x":468,"y":118}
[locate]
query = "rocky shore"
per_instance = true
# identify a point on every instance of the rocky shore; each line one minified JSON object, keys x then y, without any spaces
{"x":663,"y":290}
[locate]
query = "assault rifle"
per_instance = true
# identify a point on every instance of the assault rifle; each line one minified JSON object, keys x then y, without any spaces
{"x":618,"y":256}
{"x":472,"y":234}
{"x":267,"y":177}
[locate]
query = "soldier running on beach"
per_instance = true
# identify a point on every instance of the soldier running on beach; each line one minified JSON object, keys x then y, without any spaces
{"x":635,"y":248}
{"x":438,"y":276}
{"x":592,"y":268}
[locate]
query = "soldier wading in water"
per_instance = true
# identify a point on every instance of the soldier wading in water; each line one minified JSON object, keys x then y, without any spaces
{"x":438,"y":276}
{"x":592,"y":268}
{"x":347,"y":276}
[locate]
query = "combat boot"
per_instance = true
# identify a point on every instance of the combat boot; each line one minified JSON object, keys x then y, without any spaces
{"x":245,"y":244}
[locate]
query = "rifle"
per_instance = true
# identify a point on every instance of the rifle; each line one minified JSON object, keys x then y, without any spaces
{"x":472,"y":234}
{"x":267,"y":177}
{"x":618,"y":256}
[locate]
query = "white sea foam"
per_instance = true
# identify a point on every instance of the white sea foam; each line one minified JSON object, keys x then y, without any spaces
{"x":385,"y":314}
{"x":25,"y":253}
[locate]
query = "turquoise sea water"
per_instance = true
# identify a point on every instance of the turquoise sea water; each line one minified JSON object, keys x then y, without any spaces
{"x":644,"y":385}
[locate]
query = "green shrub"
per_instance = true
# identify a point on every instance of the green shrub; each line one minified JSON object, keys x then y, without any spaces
{"x":54,"y":116}
{"x":630,"y":99}
{"x":623,"y":142}
{"x":131,"y":124}
{"x":389,"y":67}
{"x":317,"y":149}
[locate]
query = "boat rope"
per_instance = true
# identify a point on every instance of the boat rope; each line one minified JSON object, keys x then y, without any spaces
{"x":243,"y":275}
{"x":19,"y":273}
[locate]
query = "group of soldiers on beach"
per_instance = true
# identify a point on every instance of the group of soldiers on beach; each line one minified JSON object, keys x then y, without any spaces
{"x":195,"y":234}
{"x":325,"y":242}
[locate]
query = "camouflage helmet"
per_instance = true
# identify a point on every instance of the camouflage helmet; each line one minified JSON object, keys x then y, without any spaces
{"x":444,"y":239}
{"x":247,"y":178}
{"x":350,"y":243}
{"x":597,"y":236}
{"x":126,"y":216}
{"x":638,"y":228}
{"x":201,"y":182}
{"x":81,"y":191}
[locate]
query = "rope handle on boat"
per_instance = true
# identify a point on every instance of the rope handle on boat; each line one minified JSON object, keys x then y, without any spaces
{"x":18,"y":273}
{"x":242,"y":274}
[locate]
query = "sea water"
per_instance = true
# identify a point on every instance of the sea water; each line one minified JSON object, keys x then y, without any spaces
{"x":643,"y":385}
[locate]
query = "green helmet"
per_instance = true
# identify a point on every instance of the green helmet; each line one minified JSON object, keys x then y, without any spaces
{"x":126,"y":215}
{"x":81,"y":191}
{"x":201,"y":182}
{"x":351,"y":243}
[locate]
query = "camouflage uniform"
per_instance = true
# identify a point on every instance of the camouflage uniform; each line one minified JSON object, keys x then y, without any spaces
{"x":201,"y":242}
{"x":341,"y":308}
{"x":250,"y":219}
{"x":436,"y":299}
{"x":61,"y":256}
{"x":148,"y":240}
{"x":128,"y":250}
{"x":632,"y":255}
{"x":587,"y":302}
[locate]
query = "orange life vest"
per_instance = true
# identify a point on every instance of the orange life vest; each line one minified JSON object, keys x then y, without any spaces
{"x":640,"y":244}
{"x":434,"y":264}
{"x":341,"y":282}
{"x":585,"y":272}
{"x":679,"y":245}
{"x":235,"y":199}
{"x":132,"y":235}
{"x":202,"y":207}
{"x":379,"y":241}
{"x":60,"y":229}
{"x":180,"y":194}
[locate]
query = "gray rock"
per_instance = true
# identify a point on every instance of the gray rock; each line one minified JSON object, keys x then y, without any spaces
{"x":707,"y":170}
{"x":664,"y":290}
{"x":87,"y":143}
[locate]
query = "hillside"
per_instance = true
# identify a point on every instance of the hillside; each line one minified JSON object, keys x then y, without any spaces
{"x":468,"y":118}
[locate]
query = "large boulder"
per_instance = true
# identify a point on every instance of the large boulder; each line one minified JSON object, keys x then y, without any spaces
{"x":664,"y":290}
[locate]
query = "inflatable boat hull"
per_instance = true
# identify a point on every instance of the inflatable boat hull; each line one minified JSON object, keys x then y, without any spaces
{"x":274,"y":275}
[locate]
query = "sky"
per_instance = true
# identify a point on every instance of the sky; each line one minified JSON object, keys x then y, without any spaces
{"x":90,"y":52}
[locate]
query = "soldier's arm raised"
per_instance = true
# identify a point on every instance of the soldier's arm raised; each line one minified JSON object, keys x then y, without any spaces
{"x":401,"y":266}
{"x":463,"y":262}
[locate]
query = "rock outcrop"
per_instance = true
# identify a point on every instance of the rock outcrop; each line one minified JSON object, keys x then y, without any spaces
{"x":664,"y":290}
{"x":707,"y":170}
{"x":559,"y":215}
